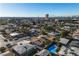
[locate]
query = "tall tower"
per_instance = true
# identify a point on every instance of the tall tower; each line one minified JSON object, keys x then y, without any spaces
{"x":46,"y":16}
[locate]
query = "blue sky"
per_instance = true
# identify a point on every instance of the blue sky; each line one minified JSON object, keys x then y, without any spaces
{"x":38,"y":9}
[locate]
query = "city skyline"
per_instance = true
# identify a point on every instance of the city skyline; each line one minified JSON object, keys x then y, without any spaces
{"x":38,"y":9}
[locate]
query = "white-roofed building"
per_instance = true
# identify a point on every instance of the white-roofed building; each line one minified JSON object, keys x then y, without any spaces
{"x":14,"y":34}
{"x":43,"y":52}
{"x":64,"y":41}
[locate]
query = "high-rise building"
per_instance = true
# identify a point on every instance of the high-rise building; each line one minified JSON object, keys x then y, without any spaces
{"x":46,"y":16}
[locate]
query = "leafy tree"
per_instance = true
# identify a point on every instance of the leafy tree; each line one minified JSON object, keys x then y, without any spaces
{"x":2,"y":49}
{"x":64,"y":33}
{"x":48,"y":28}
{"x":3,"y":22}
{"x":44,"y":32}
{"x":47,"y":42}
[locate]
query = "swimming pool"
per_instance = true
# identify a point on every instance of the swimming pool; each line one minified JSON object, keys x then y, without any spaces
{"x":53,"y":49}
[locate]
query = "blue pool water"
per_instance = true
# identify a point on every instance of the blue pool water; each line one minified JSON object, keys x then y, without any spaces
{"x":52,"y":48}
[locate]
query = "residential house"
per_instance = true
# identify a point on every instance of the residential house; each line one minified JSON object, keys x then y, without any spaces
{"x":76,"y":34}
{"x":74,"y":43}
{"x":64,"y":41}
{"x":24,"y":49}
{"x":43,"y":52}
